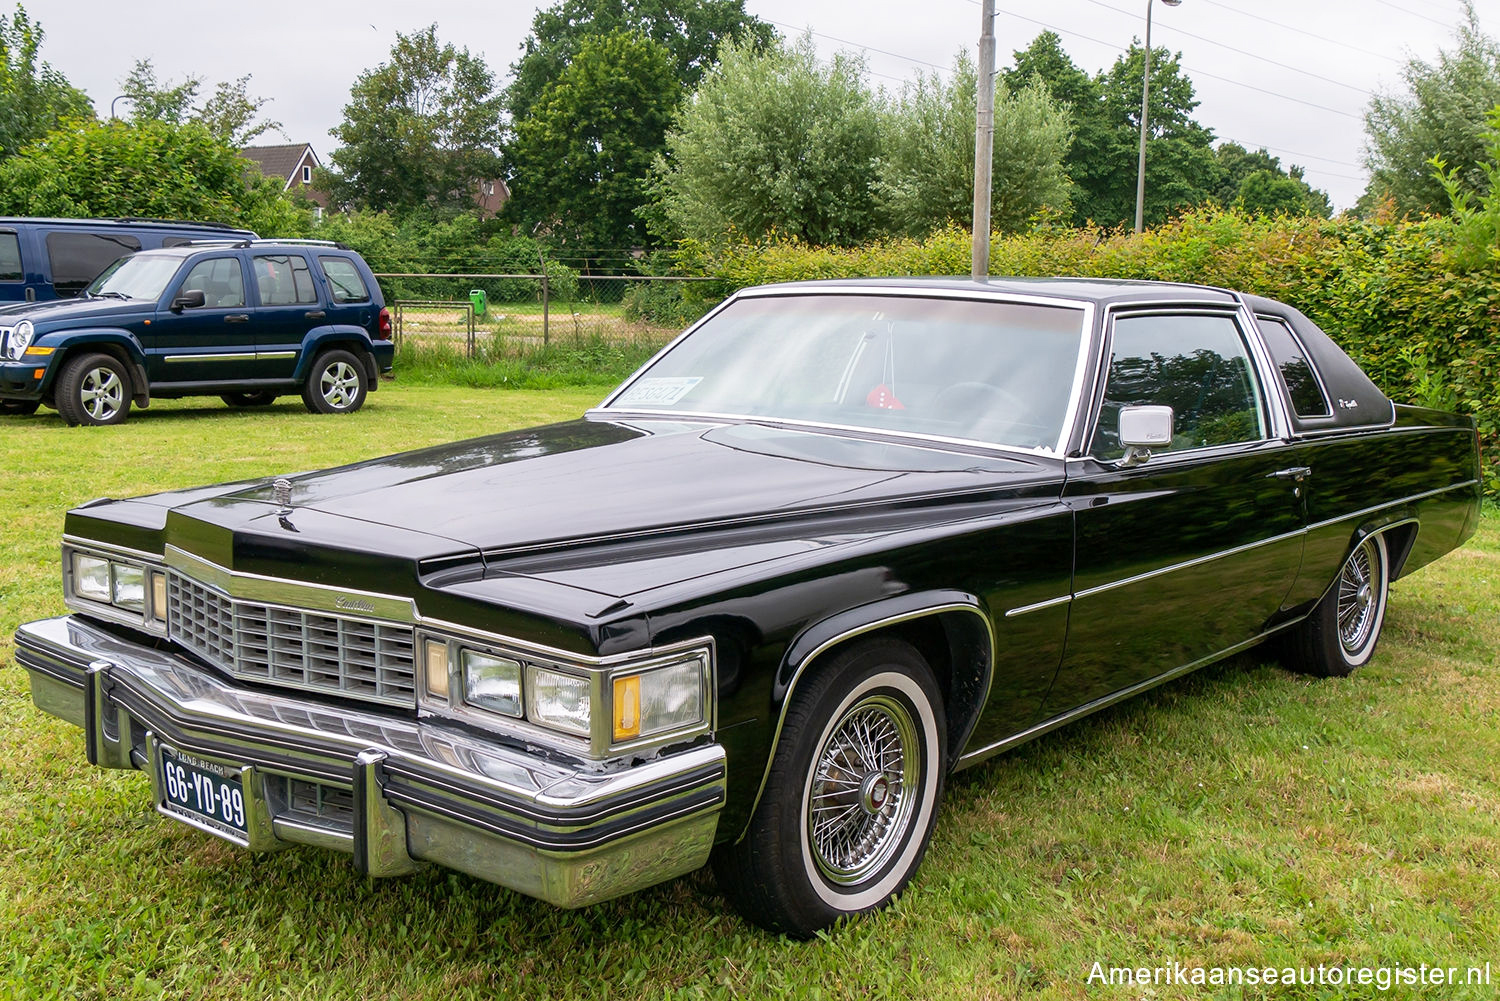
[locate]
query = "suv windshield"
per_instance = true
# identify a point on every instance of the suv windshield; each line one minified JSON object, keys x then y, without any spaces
{"x":142,"y":276}
{"x":976,"y":370}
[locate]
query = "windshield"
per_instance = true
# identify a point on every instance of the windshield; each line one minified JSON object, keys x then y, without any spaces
{"x":986,"y":371}
{"x":141,"y":276}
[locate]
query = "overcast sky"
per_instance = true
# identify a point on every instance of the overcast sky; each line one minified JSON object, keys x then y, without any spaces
{"x":1263,"y":76}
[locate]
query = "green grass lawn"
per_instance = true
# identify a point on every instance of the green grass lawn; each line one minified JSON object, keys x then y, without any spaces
{"x":1241,"y":816}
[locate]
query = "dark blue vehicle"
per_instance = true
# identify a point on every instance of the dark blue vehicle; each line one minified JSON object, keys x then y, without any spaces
{"x":246,"y":320}
{"x":42,"y":259}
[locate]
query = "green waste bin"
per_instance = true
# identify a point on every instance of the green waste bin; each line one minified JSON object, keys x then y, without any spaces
{"x":477,"y":297}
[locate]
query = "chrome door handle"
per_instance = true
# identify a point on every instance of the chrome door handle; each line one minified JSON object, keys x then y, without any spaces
{"x":1298,"y":473}
{"x":237,"y":318}
{"x":316,"y":314}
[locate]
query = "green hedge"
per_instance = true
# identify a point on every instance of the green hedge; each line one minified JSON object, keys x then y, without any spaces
{"x":1391,"y":294}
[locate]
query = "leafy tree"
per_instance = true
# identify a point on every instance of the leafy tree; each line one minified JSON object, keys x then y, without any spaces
{"x":580,"y":161}
{"x":927,"y":169}
{"x":1273,"y":191}
{"x":691,"y":30}
{"x":1441,"y":113}
{"x":774,"y":143}
{"x":34,"y":97}
{"x":420,"y":130}
{"x":230,"y":112}
{"x":160,"y":169}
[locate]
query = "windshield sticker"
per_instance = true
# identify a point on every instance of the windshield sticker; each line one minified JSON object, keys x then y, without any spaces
{"x":658,"y":392}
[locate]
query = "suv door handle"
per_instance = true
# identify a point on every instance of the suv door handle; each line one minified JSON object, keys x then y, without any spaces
{"x":1298,"y":473}
{"x":316,"y":314}
{"x":237,"y":318}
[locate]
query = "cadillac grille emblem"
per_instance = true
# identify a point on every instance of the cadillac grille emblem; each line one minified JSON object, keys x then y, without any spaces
{"x":281,"y":494}
{"x":353,"y":604}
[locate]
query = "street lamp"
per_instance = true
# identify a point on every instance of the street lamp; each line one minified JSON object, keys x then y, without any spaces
{"x":1140,"y":170}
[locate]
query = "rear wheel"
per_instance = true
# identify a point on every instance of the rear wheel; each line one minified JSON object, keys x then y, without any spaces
{"x":19,"y":408}
{"x":337,"y":384}
{"x":1341,"y":633}
{"x":262,"y":399}
{"x":93,"y":389}
{"x":851,"y":798}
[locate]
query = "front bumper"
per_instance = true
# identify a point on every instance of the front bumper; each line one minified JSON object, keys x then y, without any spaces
{"x":19,"y":379}
{"x":391,"y":790}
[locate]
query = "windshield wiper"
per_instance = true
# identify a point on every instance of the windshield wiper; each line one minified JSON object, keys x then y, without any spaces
{"x":109,"y":295}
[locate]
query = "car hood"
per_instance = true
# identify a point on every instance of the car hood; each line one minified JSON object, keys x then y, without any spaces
{"x":591,"y":480}
{"x":72,"y":310}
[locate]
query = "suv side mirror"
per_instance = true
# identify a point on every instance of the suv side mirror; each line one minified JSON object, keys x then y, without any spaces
{"x":193,"y":298}
{"x":1141,"y":428}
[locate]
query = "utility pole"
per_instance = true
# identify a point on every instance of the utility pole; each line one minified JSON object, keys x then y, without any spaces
{"x":1140,"y":170}
{"x":984,"y":142}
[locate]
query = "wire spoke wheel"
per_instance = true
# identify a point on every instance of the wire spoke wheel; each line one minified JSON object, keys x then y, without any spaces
{"x":1360,"y":582}
{"x":860,"y":807}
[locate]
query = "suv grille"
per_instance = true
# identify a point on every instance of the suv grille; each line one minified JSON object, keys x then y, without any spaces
{"x":336,"y":654}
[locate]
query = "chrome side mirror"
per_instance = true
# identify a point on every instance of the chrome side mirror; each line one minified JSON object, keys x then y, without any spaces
{"x":1140,"y":429}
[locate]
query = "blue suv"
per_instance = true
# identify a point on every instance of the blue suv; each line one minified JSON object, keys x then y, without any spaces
{"x":245,"y":320}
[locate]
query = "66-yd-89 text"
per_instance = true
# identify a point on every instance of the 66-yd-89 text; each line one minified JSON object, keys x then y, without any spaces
{"x":200,"y":792}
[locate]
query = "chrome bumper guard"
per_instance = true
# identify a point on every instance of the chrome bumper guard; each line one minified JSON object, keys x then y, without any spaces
{"x":392,"y":791}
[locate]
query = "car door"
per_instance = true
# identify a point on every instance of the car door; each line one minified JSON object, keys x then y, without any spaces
{"x":208,"y":343}
{"x":289,"y":306}
{"x":1191,"y":552}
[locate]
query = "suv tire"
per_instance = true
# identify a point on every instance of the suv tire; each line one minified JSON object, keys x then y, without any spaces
{"x":337,"y":384}
{"x":93,"y":389}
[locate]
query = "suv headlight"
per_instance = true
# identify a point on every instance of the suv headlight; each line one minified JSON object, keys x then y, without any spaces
{"x":20,"y":339}
{"x":601,"y":709}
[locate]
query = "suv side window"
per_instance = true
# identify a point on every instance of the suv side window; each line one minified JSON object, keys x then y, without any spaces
{"x":78,"y":258}
{"x":283,"y":280}
{"x":10,"y":258}
{"x":1198,"y":365}
{"x":343,"y":277}
{"x":221,"y":280}
{"x":1302,"y":386}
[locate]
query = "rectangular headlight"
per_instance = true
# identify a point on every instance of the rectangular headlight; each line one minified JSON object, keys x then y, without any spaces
{"x":91,"y":577}
{"x":492,"y":683}
{"x":658,"y":700}
{"x":558,"y":700}
{"x":130,"y":587}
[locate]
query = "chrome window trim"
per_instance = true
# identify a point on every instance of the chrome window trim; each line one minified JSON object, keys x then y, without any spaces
{"x":1086,"y":307}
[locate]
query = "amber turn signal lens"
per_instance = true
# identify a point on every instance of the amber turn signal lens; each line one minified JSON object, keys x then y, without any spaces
{"x":627,"y":707}
{"x":435,"y":667}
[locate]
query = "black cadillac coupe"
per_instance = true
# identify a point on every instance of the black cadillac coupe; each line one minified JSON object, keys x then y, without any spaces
{"x":834,"y":543}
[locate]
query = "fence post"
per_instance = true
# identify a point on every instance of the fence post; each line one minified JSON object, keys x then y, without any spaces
{"x":471,"y":331}
{"x":546,"y":326}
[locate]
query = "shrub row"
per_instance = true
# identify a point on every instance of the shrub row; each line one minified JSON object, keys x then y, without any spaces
{"x":1393,"y":295}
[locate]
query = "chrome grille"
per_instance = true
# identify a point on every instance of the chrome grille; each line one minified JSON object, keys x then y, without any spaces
{"x":5,"y":341}
{"x":316,"y":651}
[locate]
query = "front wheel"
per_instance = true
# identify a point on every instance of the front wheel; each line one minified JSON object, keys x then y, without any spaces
{"x":337,"y":384}
{"x":851,"y":798}
{"x":1340,"y":634}
{"x":93,"y":389}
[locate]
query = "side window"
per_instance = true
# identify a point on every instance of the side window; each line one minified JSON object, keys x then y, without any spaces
{"x":10,"y":258}
{"x":78,"y":258}
{"x":1302,"y":387}
{"x":343,"y":278}
{"x":1197,"y":364}
{"x":283,"y":280}
{"x":221,"y":281}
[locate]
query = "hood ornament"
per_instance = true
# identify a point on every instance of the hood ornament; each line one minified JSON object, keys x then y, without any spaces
{"x":281,"y":495}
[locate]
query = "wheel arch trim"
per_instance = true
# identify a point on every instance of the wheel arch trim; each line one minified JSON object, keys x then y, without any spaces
{"x":828,"y":634}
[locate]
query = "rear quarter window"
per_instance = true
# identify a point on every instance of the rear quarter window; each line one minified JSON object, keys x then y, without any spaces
{"x":78,"y":258}
{"x":344,"y":279}
{"x":1302,"y":387}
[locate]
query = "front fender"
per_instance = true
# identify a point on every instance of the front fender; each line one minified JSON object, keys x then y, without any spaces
{"x":68,"y":343}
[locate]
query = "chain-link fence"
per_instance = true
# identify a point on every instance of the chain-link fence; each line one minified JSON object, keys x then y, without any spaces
{"x":510,"y":315}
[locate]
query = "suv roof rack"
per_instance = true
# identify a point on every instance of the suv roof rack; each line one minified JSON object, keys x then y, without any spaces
{"x":301,"y":243}
{"x":176,"y":222}
{"x":228,"y":242}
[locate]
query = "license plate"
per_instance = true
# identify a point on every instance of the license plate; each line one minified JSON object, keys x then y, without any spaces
{"x":204,"y":792}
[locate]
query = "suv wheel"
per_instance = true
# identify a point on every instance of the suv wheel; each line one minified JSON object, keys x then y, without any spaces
{"x":93,"y":389}
{"x":337,"y":384}
{"x":261,"y":399}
